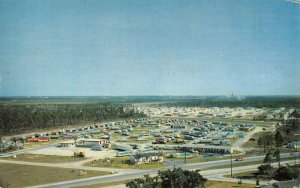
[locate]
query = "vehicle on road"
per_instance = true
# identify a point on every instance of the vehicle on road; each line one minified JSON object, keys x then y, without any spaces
{"x":239,"y":159}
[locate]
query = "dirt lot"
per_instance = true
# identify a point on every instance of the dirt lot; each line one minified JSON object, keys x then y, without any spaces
{"x":70,"y":152}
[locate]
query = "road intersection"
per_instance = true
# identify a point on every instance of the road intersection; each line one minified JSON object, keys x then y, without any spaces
{"x":124,"y":174}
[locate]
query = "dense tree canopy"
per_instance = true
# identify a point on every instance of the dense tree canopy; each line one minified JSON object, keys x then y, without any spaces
{"x":176,"y":178}
{"x":287,"y":173}
{"x":16,"y":119}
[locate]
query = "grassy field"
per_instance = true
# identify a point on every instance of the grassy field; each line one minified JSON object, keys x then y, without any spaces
{"x":218,"y":184}
{"x":246,"y":173}
{"x":255,"y":149}
{"x":123,"y":162}
{"x":255,"y":136}
{"x":44,"y":158}
{"x":115,"y":136}
{"x":182,"y":158}
{"x":135,"y":140}
{"x":26,"y":175}
{"x":98,"y":185}
{"x":195,"y":158}
{"x":206,"y":159}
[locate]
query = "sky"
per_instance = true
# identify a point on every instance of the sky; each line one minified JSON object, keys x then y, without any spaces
{"x":149,"y":47}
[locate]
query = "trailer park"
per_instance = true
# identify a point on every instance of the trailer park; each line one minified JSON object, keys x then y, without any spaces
{"x":140,"y":141}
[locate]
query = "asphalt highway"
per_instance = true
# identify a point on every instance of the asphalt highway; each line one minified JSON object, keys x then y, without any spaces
{"x":139,"y":173}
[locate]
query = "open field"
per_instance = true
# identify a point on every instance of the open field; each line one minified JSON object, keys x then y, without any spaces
{"x":182,"y":158}
{"x":44,"y":158}
{"x":98,"y":185}
{"x":115,"y":136}
{"x":122,"y":162}
{"x":218,"y":184}
{"x":255,"y":136}
{"x":246,"y":173}
{"x":26,"y":175}
{"x":252,"y":146}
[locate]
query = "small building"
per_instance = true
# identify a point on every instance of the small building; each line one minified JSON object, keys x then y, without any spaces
{"x":144,"y":158}
{"x":67,"y":144}
{"x":91,"y":142}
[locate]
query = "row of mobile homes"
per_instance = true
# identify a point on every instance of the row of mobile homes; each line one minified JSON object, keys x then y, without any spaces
{"x":144,"y":158}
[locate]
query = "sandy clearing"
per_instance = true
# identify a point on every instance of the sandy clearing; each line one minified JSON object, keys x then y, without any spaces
{"x":70,"y":152}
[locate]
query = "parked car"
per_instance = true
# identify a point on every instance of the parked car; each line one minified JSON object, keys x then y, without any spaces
{"x":96,"y":148}
{"x":187,"y":137}
{"x":87,"y":136}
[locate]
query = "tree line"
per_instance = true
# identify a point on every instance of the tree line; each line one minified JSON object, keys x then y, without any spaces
{"x":248,"y":101}
{"x":15,"y":119}
{"x":176,"y":178}
{"x":283,"y":135}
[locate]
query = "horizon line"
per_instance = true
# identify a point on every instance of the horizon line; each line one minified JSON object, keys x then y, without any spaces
{"x":28,"y":96}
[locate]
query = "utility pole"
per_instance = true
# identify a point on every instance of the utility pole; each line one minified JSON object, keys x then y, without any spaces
{"x":296,"y":145}
{"x":231,"y":163}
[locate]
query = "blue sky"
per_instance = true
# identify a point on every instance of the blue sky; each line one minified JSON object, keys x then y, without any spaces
{"x":152,"y":47}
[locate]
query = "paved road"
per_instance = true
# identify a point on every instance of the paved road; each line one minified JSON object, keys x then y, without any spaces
{"x":210,"y":174}
{"x":218,"y":175}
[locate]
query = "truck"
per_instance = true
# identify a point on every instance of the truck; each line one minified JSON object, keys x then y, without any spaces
{"x":79,"y":154}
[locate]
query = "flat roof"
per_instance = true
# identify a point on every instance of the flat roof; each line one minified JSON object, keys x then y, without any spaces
{"x":90,"y":140}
